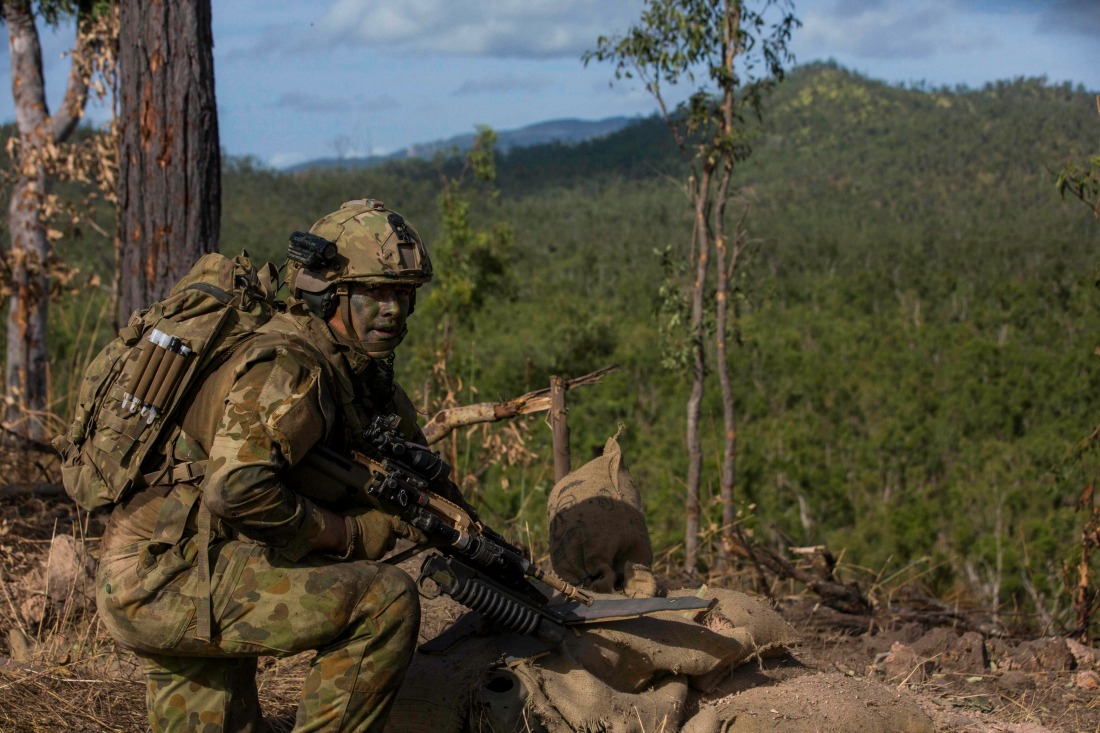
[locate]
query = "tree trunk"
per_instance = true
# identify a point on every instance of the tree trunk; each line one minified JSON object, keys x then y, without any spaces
{"x":729,"y":413}
{"x":701,"y":258}
{"x":726,"y":264}
{"x":28,"y":309}
{"x":169,"y":193}
{"x":26,"y":376}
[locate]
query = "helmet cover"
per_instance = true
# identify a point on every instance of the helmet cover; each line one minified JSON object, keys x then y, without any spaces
{"x":373,"y":245}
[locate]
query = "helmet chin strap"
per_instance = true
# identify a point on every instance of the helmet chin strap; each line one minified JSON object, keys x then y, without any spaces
{"x":342,"y":292}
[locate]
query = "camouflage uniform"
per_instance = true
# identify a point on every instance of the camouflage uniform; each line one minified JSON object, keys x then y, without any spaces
{"x":225,"y":498}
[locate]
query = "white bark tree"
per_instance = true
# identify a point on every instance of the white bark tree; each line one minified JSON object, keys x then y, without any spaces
{"x":39,"y":135}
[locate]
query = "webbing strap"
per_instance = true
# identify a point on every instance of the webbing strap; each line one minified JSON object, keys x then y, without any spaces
{"x":172,"y":520}
{"x":182,"y":472}
{"x":223,"y":297}
{"x":345,"y":304}
{"x":204,"y":622}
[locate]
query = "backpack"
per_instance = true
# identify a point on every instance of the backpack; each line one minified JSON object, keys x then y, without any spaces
{"x":131,"y":393}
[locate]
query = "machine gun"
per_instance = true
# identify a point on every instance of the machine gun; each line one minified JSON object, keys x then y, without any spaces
{"x":476,"y":565}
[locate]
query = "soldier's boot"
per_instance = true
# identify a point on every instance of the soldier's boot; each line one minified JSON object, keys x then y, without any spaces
{"x":353,"y":681}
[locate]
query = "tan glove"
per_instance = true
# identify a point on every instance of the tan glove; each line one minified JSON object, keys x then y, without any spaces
{"x":372,"y":533}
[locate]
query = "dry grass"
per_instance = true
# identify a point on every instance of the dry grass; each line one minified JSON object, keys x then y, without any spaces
{"x":59,"y":670}
{"x":62,"y":671}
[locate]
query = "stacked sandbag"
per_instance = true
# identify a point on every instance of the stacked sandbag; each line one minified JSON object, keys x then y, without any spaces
{"x":636,"y":675}
{"x":643,"y":674}
{"x":598,"y":534}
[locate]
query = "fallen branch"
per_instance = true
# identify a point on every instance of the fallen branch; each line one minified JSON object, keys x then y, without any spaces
{"x":924,"y":609}
{"x":445,"y":421}
{"x":844,"y":597}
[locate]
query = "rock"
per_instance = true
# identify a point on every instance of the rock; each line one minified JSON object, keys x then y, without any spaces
{"x":1087,"y":680}
{"x":22,"y":648}
{"x":68,"y":572}
{"x":952,"y":652}
{"x":1044,"y":655}
{"x":1086,"y":656}
{"x":1001,"y":655}
{"x":902,"y":663}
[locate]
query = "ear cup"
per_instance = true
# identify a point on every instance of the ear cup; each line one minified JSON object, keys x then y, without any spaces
{"x":323,"y":304}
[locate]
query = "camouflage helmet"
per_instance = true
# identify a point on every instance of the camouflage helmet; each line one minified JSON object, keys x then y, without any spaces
{"x":372,"y":245}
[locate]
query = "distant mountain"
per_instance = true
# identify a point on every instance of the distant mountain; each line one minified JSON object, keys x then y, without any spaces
{"x":567,"y":132}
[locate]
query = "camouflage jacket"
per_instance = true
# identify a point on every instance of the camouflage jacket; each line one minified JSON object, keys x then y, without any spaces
{"x":287,"y":389}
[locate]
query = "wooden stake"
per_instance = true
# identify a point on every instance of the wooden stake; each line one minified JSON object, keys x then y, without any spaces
{"x":559,"y":424}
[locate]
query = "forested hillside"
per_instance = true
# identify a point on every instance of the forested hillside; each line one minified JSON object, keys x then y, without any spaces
{"x":914,"y":363}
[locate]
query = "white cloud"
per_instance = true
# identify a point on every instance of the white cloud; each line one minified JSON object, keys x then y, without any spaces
{"x":888,"y":29}
{"x":312,"y":103}
{"x":503,"y":28}
{"x":285,"y":160}
{"x":1075,"y":16}
{"x":502,"y":84}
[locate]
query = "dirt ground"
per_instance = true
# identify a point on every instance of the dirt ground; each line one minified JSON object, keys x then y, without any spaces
{"x":60,"y":671}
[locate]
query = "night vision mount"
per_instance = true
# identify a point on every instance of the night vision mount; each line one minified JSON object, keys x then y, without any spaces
{"x":310,"y":251}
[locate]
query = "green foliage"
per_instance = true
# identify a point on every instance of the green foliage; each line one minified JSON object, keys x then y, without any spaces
{"x":674,"y":40}
{"x":674,"y":312}
{"x":471,"y":263}
{"x":918,"y":325}
{"x":1082,"y":179}
{"x":55,"y":12}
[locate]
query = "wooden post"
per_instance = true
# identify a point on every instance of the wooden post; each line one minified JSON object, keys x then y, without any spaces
{"x":559,"y":424}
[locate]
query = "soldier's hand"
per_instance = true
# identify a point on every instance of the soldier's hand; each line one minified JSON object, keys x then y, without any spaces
{"x":372,"y":533}
{"x":409,"y":532}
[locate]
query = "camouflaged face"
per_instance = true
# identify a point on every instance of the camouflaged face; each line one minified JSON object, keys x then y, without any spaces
{"x":374,"y":244}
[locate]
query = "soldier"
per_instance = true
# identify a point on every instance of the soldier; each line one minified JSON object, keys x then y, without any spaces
{"x":220,"y":561}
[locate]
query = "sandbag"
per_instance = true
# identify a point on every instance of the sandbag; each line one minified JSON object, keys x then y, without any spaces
{"x":598,"y":534}
{"x":636,"y":674}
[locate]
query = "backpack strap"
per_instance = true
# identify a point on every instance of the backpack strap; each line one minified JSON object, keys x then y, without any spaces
{"x":184,"y":471}
{"x":203,"y":607}
{"x":222,"y":296}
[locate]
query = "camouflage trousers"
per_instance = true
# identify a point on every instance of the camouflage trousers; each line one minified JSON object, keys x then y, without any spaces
{"x":361,"y":617}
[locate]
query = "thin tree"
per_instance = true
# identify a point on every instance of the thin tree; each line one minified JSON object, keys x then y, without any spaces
{"x":35,"y":154}
{"x":169,"y":187}
{"x":743,"y":55}
{"x":1082,"y":180}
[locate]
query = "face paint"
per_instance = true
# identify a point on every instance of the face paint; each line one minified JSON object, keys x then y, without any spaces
{"x":378,"y":313}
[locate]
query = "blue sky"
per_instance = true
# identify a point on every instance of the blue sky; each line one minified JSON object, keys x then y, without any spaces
{"x":298,"y":80}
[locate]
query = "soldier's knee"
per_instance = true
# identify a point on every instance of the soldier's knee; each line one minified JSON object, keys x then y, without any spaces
{"x":392,"y":598}
{"x":399,"y":589}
